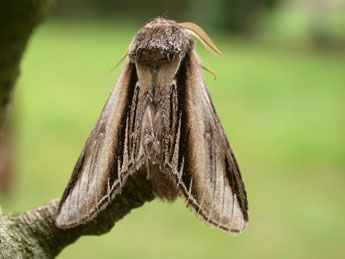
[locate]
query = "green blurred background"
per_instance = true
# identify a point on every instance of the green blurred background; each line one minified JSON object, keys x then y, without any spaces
{"x":280,"y":94}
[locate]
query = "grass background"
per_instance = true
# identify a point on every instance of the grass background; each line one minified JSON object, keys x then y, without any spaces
{"x":282,"y":107}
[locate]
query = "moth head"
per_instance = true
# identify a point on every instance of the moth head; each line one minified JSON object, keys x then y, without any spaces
{"x":159,"y":42}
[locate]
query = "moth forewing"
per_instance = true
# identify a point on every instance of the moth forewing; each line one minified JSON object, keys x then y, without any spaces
{"x":214,"y":170}
{"x":160,"y":115}
{"x":92,"y":184}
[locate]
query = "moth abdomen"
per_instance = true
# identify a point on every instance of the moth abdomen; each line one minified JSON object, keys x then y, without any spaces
{"x":163,"y":183}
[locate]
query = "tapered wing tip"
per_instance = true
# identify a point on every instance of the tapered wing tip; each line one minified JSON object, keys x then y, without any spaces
{"x":233,"y":226}
{"x":61,"y":222}
{"x":66,"y":219}
{"x":233,"y":230}
{"x":236,"y":231}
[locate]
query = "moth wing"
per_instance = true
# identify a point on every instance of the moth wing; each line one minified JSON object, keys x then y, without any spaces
{"x":97,"y":176}
{"x":210,"y":177}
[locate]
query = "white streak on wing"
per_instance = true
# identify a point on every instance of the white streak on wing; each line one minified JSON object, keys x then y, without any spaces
{"x":176,"y":146}
{"x":232,"y":210}
{"x":125,"y":151}
{"x":179,"y":174}
{"x":108,"y":190}
{"x":119,"y":173}
{"x":190,"y":190}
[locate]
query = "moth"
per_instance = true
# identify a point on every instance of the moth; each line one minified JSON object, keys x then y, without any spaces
{"x":160,"y":116}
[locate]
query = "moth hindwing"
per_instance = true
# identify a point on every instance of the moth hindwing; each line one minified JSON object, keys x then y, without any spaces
{"x":160,"y":116}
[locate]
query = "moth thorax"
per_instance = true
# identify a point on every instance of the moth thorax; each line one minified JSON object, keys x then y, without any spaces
{"x":159,"y":42}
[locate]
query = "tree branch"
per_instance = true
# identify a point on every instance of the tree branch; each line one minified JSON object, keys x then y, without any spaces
{"x":34,"y":234}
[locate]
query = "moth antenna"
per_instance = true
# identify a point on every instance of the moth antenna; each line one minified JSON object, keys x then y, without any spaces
{"x":119,"y":63}
{"x":201,"y":35}
{"x":165,"y":14}
{"x":210,"y":71}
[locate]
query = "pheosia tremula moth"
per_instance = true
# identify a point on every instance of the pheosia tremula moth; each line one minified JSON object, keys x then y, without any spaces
{"x":160,"y":116}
